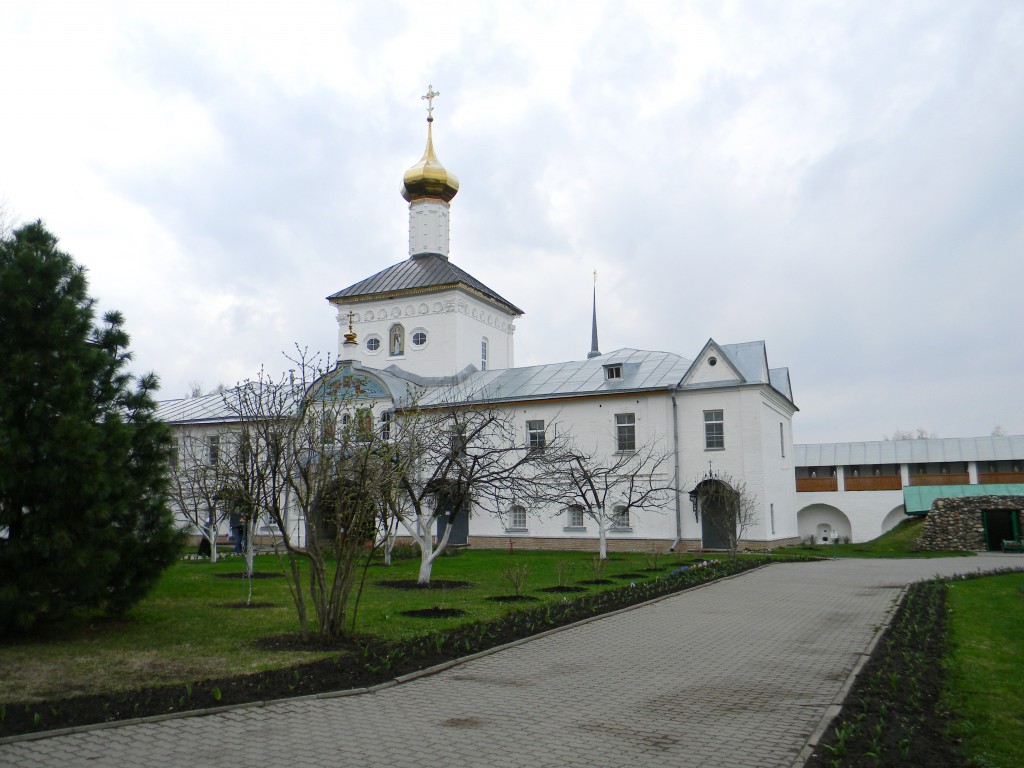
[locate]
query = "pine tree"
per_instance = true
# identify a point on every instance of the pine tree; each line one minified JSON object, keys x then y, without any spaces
{"x":84,"y":520}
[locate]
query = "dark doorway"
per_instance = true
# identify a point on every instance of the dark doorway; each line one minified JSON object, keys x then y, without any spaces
{"x":998,"y":527}
{"x":454,"y":514}
{"x":715,"y":519}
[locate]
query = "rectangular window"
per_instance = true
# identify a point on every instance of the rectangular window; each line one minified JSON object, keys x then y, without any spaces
{"x":214,"y":452}
{"x":613,"y":371}
{"x":621,"y":517}
{"x":535,"y":434}
{"x":385,"y":425}
{"x":364,"y":424}
{"x":517,"y":519}
{"x":483,"y":355}
{"x":625,"y":432}
{"x":575,"y":517}
{"x":714,"y":430}
{"x":172,"y":458}
{"x":458,"y":436}
{"x":782,"y":441}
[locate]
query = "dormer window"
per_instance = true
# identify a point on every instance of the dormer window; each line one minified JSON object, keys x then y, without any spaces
{"x":613,"y":372}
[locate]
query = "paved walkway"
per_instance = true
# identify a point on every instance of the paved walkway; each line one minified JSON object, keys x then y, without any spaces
{"x":738,"y":673}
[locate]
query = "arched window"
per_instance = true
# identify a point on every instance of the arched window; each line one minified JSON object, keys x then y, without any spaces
{"x":396,"y":341}
{"x":483,"y":354}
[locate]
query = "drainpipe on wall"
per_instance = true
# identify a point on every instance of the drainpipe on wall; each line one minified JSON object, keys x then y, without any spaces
{"x":675,"y":482}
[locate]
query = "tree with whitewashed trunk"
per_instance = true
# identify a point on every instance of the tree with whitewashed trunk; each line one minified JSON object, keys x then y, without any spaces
{"x":199,"y":477}
{"x":607,"y":488}
{"x":312,"y":466}
{"x":452,"y":458}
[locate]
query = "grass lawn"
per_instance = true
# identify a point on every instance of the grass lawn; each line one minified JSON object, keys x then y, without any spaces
{"x":185,"y":629}
{"x":985,"y":660}
{"x":901,"y":541}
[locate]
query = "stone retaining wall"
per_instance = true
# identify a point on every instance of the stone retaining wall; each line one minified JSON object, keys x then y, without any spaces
{"x":956,"y":523}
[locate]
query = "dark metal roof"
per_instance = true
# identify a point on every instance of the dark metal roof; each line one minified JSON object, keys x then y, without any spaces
{"x":424,"y":270}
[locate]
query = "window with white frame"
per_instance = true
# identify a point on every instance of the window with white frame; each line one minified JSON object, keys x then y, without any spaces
{"x":535,"y":434}
{"x":625,"y":432}
{"x":714,"y":430}
{"x":385,"y":425}
{"x":373,"y":344}
{"x":419,"y":337}
{"x":613,"y":371}
{"x":574,"y":516}
{"x":517,"y":518}
{"x":172,"y":457}
{"x":620,"y":517}
{"x":483,"y":354}
{"x":213,"y":453}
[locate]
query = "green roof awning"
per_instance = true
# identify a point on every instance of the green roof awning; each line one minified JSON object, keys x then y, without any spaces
{"x":917,"y":499}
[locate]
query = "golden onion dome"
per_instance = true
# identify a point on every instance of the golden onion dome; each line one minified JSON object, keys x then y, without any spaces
{"x":428,"y":178}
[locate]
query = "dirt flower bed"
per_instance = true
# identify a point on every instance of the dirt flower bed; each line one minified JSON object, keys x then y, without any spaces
{"x":893,"y":715}
{"x":359,"y":663}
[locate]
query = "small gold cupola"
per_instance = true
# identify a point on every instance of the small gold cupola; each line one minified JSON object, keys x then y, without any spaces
{"x":428,"y":179}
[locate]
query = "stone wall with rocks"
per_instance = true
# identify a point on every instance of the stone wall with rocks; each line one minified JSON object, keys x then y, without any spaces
{"x":957,"y":524}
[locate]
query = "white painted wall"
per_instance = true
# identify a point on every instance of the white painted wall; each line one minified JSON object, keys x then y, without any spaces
{"x":454,"y":320}
{"x":870,"y":513}
{"x":752,"y":453}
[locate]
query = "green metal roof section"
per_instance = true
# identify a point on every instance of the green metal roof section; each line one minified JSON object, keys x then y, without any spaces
{"x":917,"y":499}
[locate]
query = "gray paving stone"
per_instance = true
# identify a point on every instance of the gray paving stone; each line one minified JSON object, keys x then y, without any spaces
{"x":738,"y":673}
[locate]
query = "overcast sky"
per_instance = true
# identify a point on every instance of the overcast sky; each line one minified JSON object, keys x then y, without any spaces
{"x":842,"y":180}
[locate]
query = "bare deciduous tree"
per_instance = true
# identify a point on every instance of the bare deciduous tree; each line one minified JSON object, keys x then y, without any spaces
{"x":607,"y":489}
{"x":454,"y":457}
{"x":199,"y":479}
{"x":318,"y":476}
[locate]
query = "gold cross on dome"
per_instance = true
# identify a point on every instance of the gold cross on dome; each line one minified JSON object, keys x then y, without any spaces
{"x":429,"y":97}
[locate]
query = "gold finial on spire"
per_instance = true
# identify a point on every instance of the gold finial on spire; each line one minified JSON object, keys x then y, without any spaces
{"x":429,"y":97}
{"x":428,"y":178}
{"x":350,"y":337}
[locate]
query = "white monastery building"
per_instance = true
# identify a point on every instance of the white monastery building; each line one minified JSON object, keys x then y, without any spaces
{"x":427,"y":327}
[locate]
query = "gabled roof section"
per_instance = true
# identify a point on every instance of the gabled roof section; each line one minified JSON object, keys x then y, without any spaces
{"x":779,"y":379}
{"x":344,"y":382}
{"x":641,"y":371}
{"x":417,"y":274}
{"x":923,"y":451}
{"x":205,"y":409}
{"x":723,"y":365}
{"x":713,"y":367}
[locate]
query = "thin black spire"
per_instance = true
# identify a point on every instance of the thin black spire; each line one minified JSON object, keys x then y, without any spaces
{"x":594,"y":351}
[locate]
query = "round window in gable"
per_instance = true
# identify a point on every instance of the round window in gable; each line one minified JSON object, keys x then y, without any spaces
{"x":373,"y":344}
{"x":712,"y":361}
{"x":419,"y":338}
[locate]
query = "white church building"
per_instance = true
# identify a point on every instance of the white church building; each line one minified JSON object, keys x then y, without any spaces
{"x":424,"y":324}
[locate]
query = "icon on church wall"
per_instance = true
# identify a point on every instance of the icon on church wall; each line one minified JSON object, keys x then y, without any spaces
{"x":397,"y":340}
